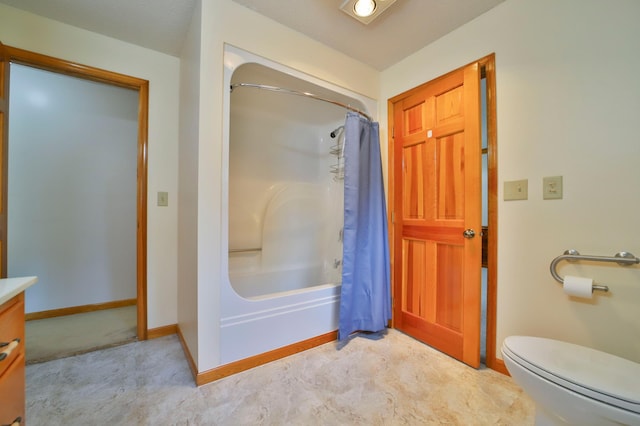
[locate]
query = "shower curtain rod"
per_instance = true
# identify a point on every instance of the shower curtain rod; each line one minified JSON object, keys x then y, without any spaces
{"x":297,"y":93}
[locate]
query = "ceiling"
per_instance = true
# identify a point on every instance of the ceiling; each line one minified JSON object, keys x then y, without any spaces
{"x":161,"y":25}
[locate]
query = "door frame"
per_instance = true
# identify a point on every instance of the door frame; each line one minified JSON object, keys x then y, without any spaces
{"x":487,"y":65}
{"x":61,"y":66}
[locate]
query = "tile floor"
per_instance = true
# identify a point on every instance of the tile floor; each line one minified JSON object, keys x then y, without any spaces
{"x":393,"y":380}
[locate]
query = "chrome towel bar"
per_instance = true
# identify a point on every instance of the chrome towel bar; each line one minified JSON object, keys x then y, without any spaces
{"x":622,"y":258}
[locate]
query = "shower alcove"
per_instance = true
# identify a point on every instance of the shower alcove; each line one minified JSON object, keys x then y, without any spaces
{"x":281,"y":257}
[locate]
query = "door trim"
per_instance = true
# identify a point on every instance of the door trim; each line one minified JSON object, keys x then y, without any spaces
{"x":73,"y":69}
{"x":4,"y":137}
{"x":487,"y":65}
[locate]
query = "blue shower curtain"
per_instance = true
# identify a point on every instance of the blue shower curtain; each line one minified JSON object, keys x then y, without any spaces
{"x":365,"y":301}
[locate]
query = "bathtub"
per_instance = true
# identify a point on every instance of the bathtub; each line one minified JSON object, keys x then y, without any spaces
{"x":264,"y":284}
{"x":281,"y":257}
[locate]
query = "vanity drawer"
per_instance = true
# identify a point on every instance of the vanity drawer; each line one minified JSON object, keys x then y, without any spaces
{"x":12,"y":390}
{"x":11,"y":331}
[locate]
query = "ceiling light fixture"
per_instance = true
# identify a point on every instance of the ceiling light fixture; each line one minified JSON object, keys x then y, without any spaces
{"x":364,"y":8}
{"x":365,"y":11}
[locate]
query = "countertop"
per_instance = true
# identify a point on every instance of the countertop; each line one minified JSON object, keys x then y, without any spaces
{"x":10,"y":287}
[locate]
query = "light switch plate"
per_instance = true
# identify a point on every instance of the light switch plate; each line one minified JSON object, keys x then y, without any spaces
{"x":552,"y":188}
{"x":516,"y":190}
{"x":163,"y":199}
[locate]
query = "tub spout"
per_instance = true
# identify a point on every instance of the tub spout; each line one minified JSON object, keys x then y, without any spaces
{"x":337,"y":263}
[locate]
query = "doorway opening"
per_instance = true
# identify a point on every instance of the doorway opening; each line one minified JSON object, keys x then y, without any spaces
{"x":485,"y":215}
{"x":92,"y":189}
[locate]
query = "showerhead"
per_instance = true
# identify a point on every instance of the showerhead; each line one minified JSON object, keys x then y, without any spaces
{"x":335,"y":132}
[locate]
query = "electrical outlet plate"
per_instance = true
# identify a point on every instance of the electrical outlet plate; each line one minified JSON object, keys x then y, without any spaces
{"x":516,"y":190}
{"x":552,"y":188}
{"x":163,"y":199}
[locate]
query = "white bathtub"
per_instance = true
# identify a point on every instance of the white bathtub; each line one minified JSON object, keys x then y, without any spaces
{"x":280,"y":281}
{"x":282,"y":316}
{"x":265,"y":284}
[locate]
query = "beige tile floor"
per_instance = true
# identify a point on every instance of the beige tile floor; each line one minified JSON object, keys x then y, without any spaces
{"x":394,"y":380}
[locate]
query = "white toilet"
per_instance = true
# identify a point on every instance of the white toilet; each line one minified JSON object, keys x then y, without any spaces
{"x":574,"y":385}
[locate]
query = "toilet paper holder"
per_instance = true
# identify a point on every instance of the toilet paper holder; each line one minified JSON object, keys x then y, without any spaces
{"x":623,"y":258}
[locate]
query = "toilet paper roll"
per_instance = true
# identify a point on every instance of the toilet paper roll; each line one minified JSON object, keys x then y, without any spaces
{"x":578,"y":286}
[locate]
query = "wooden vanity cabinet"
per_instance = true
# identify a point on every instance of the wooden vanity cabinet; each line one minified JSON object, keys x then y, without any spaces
{"x":12,"y":361}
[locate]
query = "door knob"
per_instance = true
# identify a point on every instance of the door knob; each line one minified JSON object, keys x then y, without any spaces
{"x":469,"y":233}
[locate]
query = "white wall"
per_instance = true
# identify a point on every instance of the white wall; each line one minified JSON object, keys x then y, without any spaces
{"x":568,"y":98}
{"x":224,"y":21}
{"x":72,"y":189}
{"x":27,"y":31}
{"x":188,"y":185}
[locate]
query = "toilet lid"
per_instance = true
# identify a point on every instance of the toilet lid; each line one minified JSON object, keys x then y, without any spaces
{"x":609,"y":378}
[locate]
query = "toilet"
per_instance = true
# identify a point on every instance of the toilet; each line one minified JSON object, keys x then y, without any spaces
{"x":574,"y":385}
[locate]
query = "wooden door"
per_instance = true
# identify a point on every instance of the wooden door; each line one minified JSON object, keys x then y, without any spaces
{"x":436,"y":209}
{"x":4,"y":137}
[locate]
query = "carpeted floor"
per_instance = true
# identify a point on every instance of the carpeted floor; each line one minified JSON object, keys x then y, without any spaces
{"x":394,"y":380}
{"x":59,"y":337}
